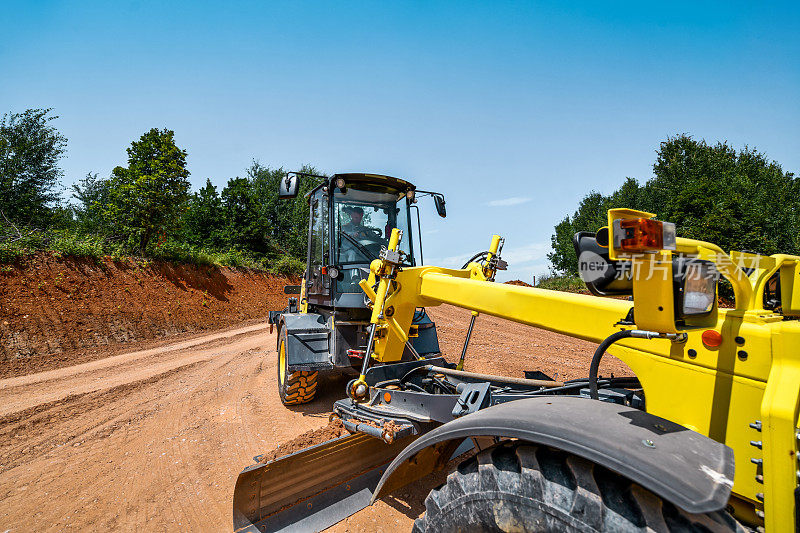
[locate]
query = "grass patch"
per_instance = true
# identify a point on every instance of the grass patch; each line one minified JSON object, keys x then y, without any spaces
{"x":15,"y":246}
{"x":565,"y":283}
{"x":288,"y":266}
{"x":71,"y":243}
{"x":185,"y":253}
{"x":75,"y":245}
{"x":59,"y":242}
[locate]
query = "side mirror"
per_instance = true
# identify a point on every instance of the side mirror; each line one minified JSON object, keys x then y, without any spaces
{"x":289,"y":186}
{"x":440,"y":208}
{"x":602,"y":276}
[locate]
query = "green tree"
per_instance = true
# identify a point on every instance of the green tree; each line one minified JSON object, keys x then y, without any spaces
{"x":285,"y":221}
{"x":203,"y":220}
{"x":146,"y":198}
{"x":738,"y":200}
{"x":589,"y":216}
{"x":30,"y":150}
{"x":92,"y":194}
{"x":258,"y":222}
{"x":243,"y":229}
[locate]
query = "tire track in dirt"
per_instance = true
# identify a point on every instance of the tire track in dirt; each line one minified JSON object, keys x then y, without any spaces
{"x":35,"y":389}
{"x":154,"y":439}
{"x":155,"y":443}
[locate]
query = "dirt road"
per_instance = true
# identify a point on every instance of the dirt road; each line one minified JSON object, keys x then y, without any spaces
{"x":151,"y":440}
{"x":154,"y":439}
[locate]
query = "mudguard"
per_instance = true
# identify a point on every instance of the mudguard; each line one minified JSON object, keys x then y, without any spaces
{"x":679,"y":465}
{"x":307,"y":341}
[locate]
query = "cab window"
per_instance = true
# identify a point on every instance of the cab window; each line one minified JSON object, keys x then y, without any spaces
{"x":363,"y":220}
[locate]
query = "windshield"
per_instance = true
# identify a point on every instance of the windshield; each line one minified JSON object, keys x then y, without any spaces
{"x":363,"y":221}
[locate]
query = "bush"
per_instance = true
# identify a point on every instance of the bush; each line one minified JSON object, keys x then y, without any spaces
{"x":14,"y":246}
{"x":288,"y":266}
{"x":179,"y":252}
{"x":75,"y":245}
{"x":10,"y":252}
{"x":239,"y":259}
{"x":567,"y":283}
{"x":61,"y":242}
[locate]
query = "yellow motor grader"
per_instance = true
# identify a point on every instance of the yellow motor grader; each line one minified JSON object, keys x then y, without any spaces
{"x":702,"y":437}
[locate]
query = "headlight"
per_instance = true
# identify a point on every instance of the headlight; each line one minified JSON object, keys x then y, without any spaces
{"x":333,"y":272}
{"x":699,"y":288}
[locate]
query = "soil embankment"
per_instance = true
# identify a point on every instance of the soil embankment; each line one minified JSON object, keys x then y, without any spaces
{"x":59,"y":311}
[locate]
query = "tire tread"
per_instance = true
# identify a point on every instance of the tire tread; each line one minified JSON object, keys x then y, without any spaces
{"x":518,"y":486}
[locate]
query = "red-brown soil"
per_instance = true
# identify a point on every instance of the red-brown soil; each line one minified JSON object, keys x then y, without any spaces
{"x":333,"y":430}
{"x":153,"y":437}
{"x":54,"y":311}
{"x":501,"y":347}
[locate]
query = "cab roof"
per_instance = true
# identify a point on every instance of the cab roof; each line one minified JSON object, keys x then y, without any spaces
{"x":376,"y":178}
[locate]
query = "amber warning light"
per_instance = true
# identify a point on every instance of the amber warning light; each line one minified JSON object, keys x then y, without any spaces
{"x":643,"y":235}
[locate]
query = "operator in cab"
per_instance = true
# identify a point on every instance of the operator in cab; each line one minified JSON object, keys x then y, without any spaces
{"x":354,"y":227}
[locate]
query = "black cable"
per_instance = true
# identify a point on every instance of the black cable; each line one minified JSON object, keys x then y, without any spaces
{"x":415,"y":369}
{"x":570,"y":387}
{"x":474,"y":257}
{"x":400,"y":384}
{"x":444,"y":386}
{"x":417,"y":387}
{"x":598,"y":354}
{"x":387,"y":382}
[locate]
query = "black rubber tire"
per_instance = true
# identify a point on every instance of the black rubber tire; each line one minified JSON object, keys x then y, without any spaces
{"x":294,"y":388}
{"x":517,"y":486}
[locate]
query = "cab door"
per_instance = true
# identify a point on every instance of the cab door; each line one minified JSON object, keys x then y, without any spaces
{"x":317,"y":282}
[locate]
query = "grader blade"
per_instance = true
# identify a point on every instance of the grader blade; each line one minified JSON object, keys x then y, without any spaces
{"x":314,"y":488}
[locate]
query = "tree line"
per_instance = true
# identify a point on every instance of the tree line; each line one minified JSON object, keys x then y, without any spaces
{"x":739,"y":200}
{"x":145,"y":207}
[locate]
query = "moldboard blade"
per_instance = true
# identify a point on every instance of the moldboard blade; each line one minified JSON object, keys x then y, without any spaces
{"x":314,"y":488}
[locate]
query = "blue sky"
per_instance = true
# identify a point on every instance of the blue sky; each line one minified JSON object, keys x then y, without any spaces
{"x":515,"y":110}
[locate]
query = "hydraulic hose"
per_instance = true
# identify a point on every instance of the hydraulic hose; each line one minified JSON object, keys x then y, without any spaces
{"x":495,"y":379}
{"x":611,"y":339}
{"x":479,"y":255}
{"x":598,"y":354}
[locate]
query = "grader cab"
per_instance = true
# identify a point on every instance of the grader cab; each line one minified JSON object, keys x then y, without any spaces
{"x":701,"y":437}
{"x":351,"y":218}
